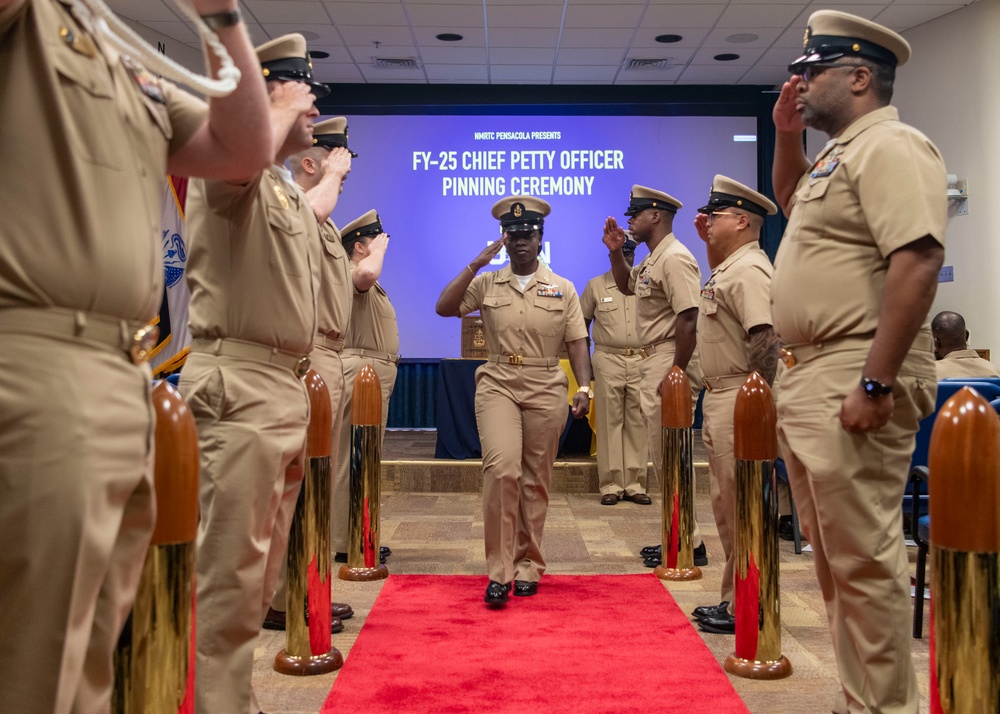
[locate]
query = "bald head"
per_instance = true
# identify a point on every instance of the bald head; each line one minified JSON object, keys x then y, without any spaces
{"x":950,"y":334}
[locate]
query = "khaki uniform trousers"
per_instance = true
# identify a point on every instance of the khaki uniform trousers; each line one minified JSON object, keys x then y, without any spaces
{"x":622,"y":441}
{"x":520,"y":414}
{"x":717,"y":410}
{"x":386,"y":372}
{"x":329,"y":366}
{"x":848,"y":489}
{"x":252,"y":419}
{"x":76,"y":516}
{"x":653,"y":369}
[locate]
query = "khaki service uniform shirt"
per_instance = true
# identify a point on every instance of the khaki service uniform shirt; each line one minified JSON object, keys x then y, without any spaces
{"x":875,"y":188}
{"x":735,"y":299}
{"x":373,"y":321}
{"x":336,"y":291}
{"x":84,"y":140}
{"x":965,"y":363}
{"x":665,"y":283}
{"x":613,"y":313}
{"x":253,"y":262}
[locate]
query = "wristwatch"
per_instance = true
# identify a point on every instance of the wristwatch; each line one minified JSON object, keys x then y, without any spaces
{"x":586,"y":390}
{"x":218,"y":20}
{"x":874,"y":388}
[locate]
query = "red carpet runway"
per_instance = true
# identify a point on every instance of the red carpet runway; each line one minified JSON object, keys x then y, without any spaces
{"x":589,"y":644}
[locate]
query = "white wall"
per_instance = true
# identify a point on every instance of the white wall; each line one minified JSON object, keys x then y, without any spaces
{"x":950,"y":90}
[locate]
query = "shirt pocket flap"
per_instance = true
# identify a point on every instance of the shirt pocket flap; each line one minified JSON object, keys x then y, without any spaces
{"x":496,"y":301}
{"x":606,"y":307}
{"x":811,"y":191}
{"x":280,"y":219}
{"x":550,"y":304}
{"x":708,"y":307}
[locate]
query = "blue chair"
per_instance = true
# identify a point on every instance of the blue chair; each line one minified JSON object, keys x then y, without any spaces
{"x":914,"y":501}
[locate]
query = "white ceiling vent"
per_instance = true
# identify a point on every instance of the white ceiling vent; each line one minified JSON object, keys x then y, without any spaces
{"x":636,"y":64}
{"x":395,"y":63}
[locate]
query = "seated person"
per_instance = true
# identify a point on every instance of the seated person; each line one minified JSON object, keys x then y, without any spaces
{"x":954,"y":359}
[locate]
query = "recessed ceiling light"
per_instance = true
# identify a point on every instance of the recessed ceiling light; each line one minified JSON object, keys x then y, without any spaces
{"x":449,"y":37}
{"x":726,"y":57}
{"x":306,"y":34}
{"x":667,"y":39}
{"x":741,"y":37}
{"x":318,"y":54}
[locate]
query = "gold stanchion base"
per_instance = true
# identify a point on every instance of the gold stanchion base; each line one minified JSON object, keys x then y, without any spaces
{"x":285,"y":663}
{"x":692,"y":573}
{"x":358,"y":575}
{"x":751,"y":669}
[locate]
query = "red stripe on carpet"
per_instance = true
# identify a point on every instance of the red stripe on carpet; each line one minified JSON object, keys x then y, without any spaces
{"x":589,"y":644}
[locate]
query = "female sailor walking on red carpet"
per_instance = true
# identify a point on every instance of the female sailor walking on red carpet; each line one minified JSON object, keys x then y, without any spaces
{"x":528,"y":313}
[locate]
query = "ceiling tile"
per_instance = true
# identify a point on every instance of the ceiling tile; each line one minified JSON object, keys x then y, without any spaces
{"x":365,"y":54}
{"x":765,"y":74}
{"x":595,"y":73}
{"x":337,"y":72}
{"x":145,"y":10}
{"x":338,"y":53}
{"x":287,"y":11}
{"x":692,"y":37}
{"x":596,"y":56}
{"x":748,"y":56}
{"x":866,"y":11}
{"x":702,"y":74}
{"x":904,"y":17}
{"x":678,"y":55}
{"x":453,"y":55}
{"x":180,"y":31}
{"x":521,"y":55}
{"x":521,"y":72}
{"x":527,"y":37}
{"x":666,"y":17}
{"x":766,"y":37}
{"x":780,"y":56}
{"x":315,"y":34}
{"x":362,"y":35}
{"x":472,"y":36}
{"x":606,"y":15}
{"x":472,"y":73}
{"x":524,"y":15}
{"x":741,"y":16}
{"x":367,"y":13}
{"x":445,"y":16}
{"x":583,"y":38}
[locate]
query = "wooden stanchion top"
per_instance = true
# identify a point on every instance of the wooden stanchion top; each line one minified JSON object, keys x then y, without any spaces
{"x":964,"y":482}
{"x":175,"y":468}
{"x":675,"y":400}
{"x":366,"y":402}
{"x":319,"y":437}
{"x":755,"y":435}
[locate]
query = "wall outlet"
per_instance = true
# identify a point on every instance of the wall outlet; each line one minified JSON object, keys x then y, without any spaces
{"x":946,"y":275}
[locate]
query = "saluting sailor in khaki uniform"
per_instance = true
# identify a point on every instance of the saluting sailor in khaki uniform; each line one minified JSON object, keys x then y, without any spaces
{"x":528,"y":312}
{"x":622,"y":441}
{"x":372,"y":339}
{"x":253,"y":268}
{"x":86,"y":139}
{"x":735,"y":338}
{"x":951,"y":349}
{"x":853,"y":282}
{"x":321,"y":172}
{"x":666,"y":285}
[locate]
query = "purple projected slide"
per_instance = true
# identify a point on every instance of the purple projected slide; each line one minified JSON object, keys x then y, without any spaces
{"x":433,"y":180}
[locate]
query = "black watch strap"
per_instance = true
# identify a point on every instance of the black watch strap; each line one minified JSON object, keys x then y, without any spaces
{"x":874,"y":388}
{"x":222,"y":19}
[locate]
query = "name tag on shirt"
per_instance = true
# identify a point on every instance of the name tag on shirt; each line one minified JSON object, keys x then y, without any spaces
{"x":552,"y":291}
{"x":606,"y":300}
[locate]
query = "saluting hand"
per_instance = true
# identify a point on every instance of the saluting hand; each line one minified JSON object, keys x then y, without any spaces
{"x":701,"y":226}
{"x":379,"y":244}
{"x":338,"y":162}
{"x":785,"y":114}
{"x":860,"y":413}
{"x":488,"y":253}
{"x":614,"y":236}
{"x":293,"y":97}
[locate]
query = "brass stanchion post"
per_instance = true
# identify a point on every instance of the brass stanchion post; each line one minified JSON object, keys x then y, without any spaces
{"x":366,"y":461}
{"x":308,"y":649}
{"x":154,"y":662}
{"x":755,"y":547}
{"x":677,"y":467}
{"x":964,"y":487}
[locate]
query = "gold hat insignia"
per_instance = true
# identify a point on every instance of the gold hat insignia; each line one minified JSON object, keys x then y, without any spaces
{"x":805,"y":38}
{"x":518,"y":210}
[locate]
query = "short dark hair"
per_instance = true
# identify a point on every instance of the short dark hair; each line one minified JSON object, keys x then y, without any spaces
{"x":883,"y":77}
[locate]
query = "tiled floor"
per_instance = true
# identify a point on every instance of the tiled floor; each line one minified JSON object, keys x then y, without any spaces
{"x":442,"y":533}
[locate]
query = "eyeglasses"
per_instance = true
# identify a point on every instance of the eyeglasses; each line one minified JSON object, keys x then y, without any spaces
{"x":811,"y":71}
{"x":712,"y":216}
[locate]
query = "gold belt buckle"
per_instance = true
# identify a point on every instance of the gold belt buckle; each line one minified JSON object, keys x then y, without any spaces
{"x":302,"y":367}
{"x":629,"y":352}
{"x":643,"y":352}
{"x":515,"y":359}
{"x":143,"y":342}
{"x":787,"y":357}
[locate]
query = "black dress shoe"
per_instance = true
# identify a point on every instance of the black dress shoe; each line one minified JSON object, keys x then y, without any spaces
{"x":609,"y":499}
{"x":384,"y":552}
{"x":700,"y":555}
{"x":342,"y":611}
{"x":496,"y":593}
{"x":650,"y":550}
{"x":275,"y":620}
{"x":721,"y":625}
{"x":340,"y":557}
{"x":704,"y":611}
{"x":786,"y":529}
{"x":525,"y":588}
{"x":640,"y":498}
